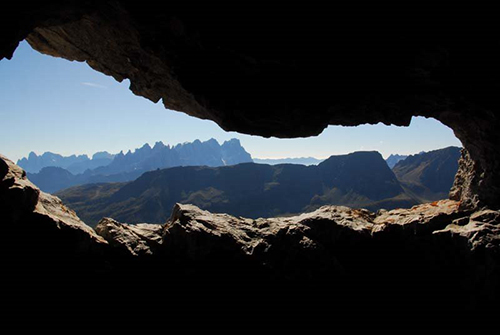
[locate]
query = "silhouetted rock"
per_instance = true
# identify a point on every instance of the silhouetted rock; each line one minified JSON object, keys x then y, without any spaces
{"x":42,"y":233}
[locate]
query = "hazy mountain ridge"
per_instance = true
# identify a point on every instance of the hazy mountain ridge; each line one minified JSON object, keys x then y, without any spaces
{"x":292,"y":160}
{"x":74,"y":164}
{"x":129,"y":166}
{"x":360,"y":179}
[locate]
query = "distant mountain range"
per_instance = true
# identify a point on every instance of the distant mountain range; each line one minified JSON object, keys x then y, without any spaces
{"x":392,"y":160}
{"x":299,"y":160}
{"x":55,"y":173}
{"x":360,"y":179}
{"x":74,"y":164}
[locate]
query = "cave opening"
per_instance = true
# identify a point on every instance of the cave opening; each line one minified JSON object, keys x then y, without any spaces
{"x":439,"y":256}
{"x":77,"y":112}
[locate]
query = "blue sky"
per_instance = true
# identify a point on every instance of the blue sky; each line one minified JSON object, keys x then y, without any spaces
{"x":51,"y":104}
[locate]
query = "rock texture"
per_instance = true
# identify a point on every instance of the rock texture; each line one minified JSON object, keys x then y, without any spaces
{"x":300,"y":245}
{"x":138,"y":240}
{"x":404,"y":257}
{"x":22,"y":202}
{"x":280,"y":78}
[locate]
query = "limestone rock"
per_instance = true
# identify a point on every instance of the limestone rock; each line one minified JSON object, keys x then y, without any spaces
{"x":480,"y":231}
{"x":280,"y":245}
{"x":23,"y":203}
{"x":466,"y":182}
{"x":138,"y":240}
{"x":420,"y":219}
{"x":310,"y":238}
{"x":18,"y":195}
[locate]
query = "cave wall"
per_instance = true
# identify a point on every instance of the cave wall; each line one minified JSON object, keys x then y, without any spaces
{"x":290,"y":71}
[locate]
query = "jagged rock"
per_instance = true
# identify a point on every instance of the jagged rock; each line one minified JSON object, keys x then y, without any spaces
{"x":47,"y":252}
{"x":23,"y":203}
{"x":18,"y":194}
{"x":420,"y":219}
{"x":281,"y":245}
{"x":467,"y":181}
{"x":402,"y":253}
{"x":481,"y":230}
{"x":199,"y":235}
{"x":138,"y":240}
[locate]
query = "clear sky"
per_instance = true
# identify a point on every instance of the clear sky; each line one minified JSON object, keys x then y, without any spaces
{"x":51,"y":104}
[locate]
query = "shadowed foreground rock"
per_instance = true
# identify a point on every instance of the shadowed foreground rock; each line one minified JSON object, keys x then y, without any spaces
{"x":434,"y":257}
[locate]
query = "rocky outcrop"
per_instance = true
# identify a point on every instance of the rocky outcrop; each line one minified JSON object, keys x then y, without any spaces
{"x":47,"y":252}
{"x":22,"y":203}
{"x":467,"y":181}
{"x":479,"y":231}
{"x":410,"y":257}
{"x":138,"y":240}
{"x":197,"y":234}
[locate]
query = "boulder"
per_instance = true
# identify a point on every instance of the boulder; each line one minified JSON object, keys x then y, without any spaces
{"x":138,"y":239}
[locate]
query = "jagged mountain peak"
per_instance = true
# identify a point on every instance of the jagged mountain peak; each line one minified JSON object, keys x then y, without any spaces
{"x":129,"y":166}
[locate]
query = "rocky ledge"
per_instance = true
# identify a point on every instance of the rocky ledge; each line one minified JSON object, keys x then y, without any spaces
{"x":431,"y":256}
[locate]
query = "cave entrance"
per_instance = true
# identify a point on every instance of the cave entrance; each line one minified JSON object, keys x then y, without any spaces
{"x":74,"y":110}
